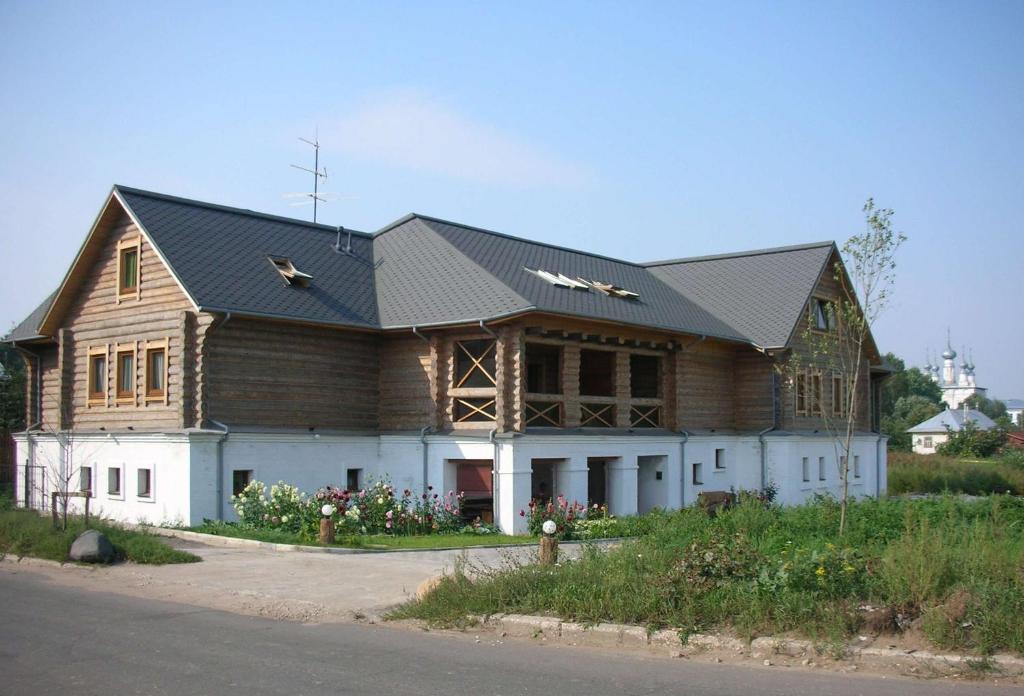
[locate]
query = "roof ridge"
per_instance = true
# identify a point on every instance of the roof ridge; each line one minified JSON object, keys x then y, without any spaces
{"x":518,"y":239}
{"x":333,"y":229}
{"x":740,"y":254}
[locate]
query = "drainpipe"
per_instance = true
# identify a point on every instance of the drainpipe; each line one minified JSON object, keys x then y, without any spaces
{"x":220,"y":467}
{"x":494,"y":475}
{"x":416,"y":332}
{"x":682,"y":467}
{"x":484,"y":327}
{"x":878,"y":466}
{"x":773,"y":426}
{"x":424,"y":445}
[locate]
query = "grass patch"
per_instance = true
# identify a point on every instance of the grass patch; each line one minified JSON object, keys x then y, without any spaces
{"x":935,"y":473}
{"x":26,"y":533}
{"x":371,"y":541}
{"x":759,"y":571}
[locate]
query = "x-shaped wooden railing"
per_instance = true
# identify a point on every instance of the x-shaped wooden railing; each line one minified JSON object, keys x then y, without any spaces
{"x":597,"y":415}
{"x":474,"y":409}
{"x":644,"y":416}
{"x":544,"y":414}
{"x":477,"y":363}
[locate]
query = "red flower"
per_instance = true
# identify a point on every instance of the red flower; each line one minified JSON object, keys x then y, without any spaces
{"x":522,"y":513}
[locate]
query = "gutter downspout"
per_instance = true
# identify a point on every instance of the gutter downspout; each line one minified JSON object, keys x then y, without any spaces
{"x":416,"y":332}
{"x":494,"y":475}
{"x":31,"y":461}
{"x":423,"y":442}
{"x":484,"y":327}
{"x":773,"y":426}
{"x":682,"y":467}
{"x":878,"y":465}
{"x":220,"y":467}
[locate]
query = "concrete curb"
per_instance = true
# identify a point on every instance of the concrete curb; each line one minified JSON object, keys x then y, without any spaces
{"x":236,"y":542}
{"x":607,"y":635}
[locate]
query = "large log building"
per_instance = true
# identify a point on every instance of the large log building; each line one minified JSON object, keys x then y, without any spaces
{"x":193,"y":347}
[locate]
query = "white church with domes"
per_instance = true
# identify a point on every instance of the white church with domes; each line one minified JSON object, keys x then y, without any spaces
{"x":957,"y":385}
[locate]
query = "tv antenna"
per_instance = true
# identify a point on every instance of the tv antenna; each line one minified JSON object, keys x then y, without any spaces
{"x":316,"y":196}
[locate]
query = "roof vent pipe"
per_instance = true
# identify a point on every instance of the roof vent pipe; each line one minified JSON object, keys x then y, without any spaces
{"x":348,"y":242}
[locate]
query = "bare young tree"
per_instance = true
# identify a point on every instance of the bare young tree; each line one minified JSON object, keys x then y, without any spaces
{"x":838,"y":334}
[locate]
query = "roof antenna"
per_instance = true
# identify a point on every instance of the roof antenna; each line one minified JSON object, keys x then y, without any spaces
{"x":316,"y":196}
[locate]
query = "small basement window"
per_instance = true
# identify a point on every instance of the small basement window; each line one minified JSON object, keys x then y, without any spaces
{"x":145,"y":483}
{"x":240,"y":478}
{"x":114,"y":481}
{"x":289,"y":272}
{"x":698,"y":474}
{"x":719,"y":459}
{"x":85,"y":480}
{"x":353,"y":479}
{"x":821,"y":469}
{"x":805,"y":468}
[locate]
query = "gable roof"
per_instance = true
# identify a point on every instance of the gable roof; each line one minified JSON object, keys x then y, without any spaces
{"x":1014,"y":403}
{"x":421,"y":271}
{"x":763,"y":293}
{"x":28,"y":329}
{"x":954,"y":421}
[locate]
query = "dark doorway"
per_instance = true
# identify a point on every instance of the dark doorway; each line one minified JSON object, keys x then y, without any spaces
{"x":543,"y":369}
{"x":542,"y":482}
{"x":597,"y":481}
{"x":474,"y":480}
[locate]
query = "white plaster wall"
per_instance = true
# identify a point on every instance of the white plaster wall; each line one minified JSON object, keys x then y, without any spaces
{"x":785,"y":467}
{"x":1016,"y":415}
{"x":918,"y":442}
{"x":167,"y":456}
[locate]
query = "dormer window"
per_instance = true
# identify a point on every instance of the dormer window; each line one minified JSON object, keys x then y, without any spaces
{"x":289,"y":272}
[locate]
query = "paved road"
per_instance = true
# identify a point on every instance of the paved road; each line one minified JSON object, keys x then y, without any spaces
{"x":56,"y":639}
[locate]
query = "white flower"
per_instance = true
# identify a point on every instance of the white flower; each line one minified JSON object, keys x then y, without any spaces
{"x":327,"y":510}
{"x":380,"y":501}
{"x":549,"y":527}
{"x":284,"y":519}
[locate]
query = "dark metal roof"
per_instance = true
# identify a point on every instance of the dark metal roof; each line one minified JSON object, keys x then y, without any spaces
{"x":422,"y":271}
{"x":28,"y":329}
{"x":761,"y":293}
{"x":221,"y":256}
{"x":504,"y":258}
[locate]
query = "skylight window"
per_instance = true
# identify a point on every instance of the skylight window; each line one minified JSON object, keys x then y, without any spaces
{"x":563,"y":281}
{"x":289,"y":272}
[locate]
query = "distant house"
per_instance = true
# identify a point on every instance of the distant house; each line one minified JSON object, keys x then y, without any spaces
{"x":193,"y":347}
{"x":1015,"y":411}
{"x":927,"y":436}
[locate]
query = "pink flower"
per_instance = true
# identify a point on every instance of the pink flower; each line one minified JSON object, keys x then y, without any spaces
{"x":387,"y":525}
{"x":522,"y":513}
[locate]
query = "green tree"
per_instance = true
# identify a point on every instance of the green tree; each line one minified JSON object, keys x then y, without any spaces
{"x":907,"y":412}
{"x":971,"y":441}
{"x":993,"y":408}
{"x":866,"y":282}
{"x":12,"y":390}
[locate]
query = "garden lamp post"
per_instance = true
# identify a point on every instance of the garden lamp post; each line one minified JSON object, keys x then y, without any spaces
{"x":548,"y":543}
{"x":327,"y":524}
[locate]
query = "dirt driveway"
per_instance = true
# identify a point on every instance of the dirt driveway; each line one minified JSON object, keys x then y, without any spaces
{"x":307,"y":587}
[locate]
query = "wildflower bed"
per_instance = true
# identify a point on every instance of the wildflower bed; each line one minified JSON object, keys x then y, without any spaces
{"x":951,"y":570}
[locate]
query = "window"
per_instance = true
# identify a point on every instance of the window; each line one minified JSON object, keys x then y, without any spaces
{"x":657,"y":475}
{"x":838,"y":396}
{"x":644,"y":371}
{"x":801,"y":394}
{"x":145,"y":483}
{"x":240,"y":478}
{"x":805,"y":468}
{"x":814,"y":403}
{"x":808,"y":393}
{"x":597,"y":372}
{"x":927,"y":440}
{"x":156,"y":371}
{"x":129,"y":254}
{"x":126,"y":375}
{"x":719,"y":459}
{"x":353,"y":479}
{"x":114,"y":481}
{"x":98,"y":375}
{"x":474,"y":363}
{"x":698,"y":474}
{"x":856,"y":466}
{"x":85,"y":480}
{"x":822,"y":314}
{"x":288,"y":271}
{"x":821,"y":468}
{"x":543,"y":369}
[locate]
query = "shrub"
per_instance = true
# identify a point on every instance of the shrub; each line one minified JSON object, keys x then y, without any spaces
{"x":564,"y":514}
{"x":970,"y":441}
{"x":715,"y":562}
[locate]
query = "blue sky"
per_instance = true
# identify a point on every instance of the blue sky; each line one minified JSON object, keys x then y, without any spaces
{"x":636,"y":130}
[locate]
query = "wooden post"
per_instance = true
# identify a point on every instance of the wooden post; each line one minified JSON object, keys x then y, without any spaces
{"x":548,"y":550}
{"x":326,"y":530}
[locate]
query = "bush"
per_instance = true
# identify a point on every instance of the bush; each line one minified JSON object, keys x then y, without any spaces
{"x":970,"y":441}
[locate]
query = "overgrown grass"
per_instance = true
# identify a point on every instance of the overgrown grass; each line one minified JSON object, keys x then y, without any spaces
{"x":934,"y":473}
{"x":372,"y":541}
{"x":954,"y":566}
{"x":26,"y":533}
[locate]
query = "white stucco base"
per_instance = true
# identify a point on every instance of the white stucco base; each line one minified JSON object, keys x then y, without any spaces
{"x":641,"y":471}
{"x":928,"y":443}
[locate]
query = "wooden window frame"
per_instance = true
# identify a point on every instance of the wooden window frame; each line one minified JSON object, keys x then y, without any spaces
{"x":800,"y":393}
{"x":95,"y":397}
{"x":124,"y":246}
{"x":838,"y":395}
{"x":830,"y":318}
{"x":151,"y":347}
{"x":127,"y":397}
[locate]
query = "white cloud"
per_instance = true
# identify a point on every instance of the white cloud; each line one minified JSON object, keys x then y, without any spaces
{"x":411,"y":130}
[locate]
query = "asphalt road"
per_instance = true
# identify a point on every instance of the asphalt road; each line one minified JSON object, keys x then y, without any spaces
{"x":55,"y":640}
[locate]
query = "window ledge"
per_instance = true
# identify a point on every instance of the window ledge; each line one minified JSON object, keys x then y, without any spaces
{"x":154,"y":399}
{"x":719,"y":471}
{"x":125,"y":401}
{"x":115,"y":496}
